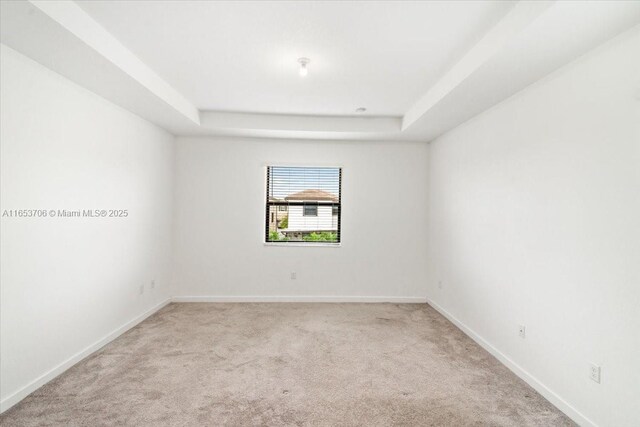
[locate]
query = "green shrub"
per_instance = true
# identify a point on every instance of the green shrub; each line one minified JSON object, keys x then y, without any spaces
{"x":284,"y":224}
{"x":274,"y":236}
{"x":325,"y":236}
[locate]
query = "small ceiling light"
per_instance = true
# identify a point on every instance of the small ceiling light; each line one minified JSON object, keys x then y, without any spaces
{"x":303,"y":66}
{"x":360,"y":110}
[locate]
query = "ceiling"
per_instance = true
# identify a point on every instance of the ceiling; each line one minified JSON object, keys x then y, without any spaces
{"x":229,"y":68}
{"x":242,"y":56}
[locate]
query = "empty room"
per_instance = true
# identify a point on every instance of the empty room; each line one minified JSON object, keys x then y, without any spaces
{"x":320,"y":213}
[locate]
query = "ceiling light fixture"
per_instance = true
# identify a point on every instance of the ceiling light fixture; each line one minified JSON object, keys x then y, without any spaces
{"x":303,"y":66}
{"x":361,"y":110}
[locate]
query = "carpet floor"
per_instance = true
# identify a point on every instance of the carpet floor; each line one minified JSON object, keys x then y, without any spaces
{"x":201,"y":364}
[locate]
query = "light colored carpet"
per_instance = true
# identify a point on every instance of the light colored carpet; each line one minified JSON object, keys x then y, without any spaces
{"x":199,"y":364}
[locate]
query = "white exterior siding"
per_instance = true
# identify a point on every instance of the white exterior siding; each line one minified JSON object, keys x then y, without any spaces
{"x":324,"y":221}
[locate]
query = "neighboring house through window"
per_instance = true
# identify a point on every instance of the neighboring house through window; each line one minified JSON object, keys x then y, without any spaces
{"x":303,"y":204}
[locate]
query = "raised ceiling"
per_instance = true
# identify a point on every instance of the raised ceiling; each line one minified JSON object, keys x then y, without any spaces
{"x":229,"y":68}
{"x":241,"y":56}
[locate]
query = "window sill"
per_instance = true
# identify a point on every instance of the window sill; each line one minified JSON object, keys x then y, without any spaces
{"x":303,"y":244}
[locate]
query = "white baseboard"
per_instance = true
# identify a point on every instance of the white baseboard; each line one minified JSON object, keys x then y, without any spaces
{"x":536,"y":384}
{"x":48,"y":376}
{"x":212,"y":298}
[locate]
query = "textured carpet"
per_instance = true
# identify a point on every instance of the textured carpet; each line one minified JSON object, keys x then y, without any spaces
{"x":289,"y":364}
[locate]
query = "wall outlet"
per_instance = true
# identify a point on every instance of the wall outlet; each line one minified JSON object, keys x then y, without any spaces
{"x":594,"y":372}
{"x":439,"y":284}
{"x":141,"y":289}
{"x":293,"y":275}
{"x":153,"y":284}
{"x":522,"y":332}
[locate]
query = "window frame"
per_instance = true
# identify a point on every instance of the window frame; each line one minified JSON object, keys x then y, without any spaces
{"x":269,"y":203}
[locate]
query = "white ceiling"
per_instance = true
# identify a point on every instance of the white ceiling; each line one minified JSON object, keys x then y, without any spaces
{"x":241,"y":56}
{"x":229,"y":68}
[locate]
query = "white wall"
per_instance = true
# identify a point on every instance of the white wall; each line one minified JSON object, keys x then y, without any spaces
{"x":535,"y":219}
{"x":220,"y":215}
{"x":68,"y":282}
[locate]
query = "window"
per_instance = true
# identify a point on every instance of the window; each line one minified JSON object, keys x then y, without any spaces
{"x":310,"y":210}
{"x":303,"y":204}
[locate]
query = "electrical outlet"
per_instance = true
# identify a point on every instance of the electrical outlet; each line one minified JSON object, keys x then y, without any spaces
{"x":153,"y":284}
{"x":522,"y":331}
{"x":440,"y":284}
{"x":293,"y":275}
{"x":141,"y":289}
{"x":594,"y":372}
